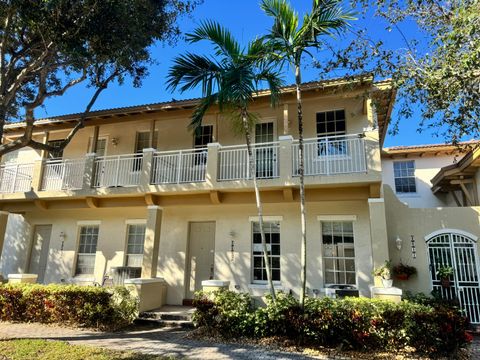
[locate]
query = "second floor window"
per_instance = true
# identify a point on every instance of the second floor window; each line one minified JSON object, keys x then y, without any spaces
{"x":201,"y":138}
{"x":143,"y":141}
{"x":272,"y":238}
{"x":87,"y":248}
{"x":331,"y":124}
{"x":404,"y":174}
{"x":58,"y":154}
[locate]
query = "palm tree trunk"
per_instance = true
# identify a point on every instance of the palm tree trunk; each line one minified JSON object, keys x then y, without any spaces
{"x":253,"y":173}
{"x":301,"y":170}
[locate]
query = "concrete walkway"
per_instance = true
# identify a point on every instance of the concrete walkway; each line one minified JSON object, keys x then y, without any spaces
{"x":162,"y":341}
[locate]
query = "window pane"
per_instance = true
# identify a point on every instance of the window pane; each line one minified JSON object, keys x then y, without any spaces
{"x":404,"y":176}
{"x":338,"y":252}
{"x":87,"y":247}
{"x":272,"y":239}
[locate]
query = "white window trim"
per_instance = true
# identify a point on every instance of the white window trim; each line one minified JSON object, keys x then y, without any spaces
{"x":337,"y":217}
{"x":265,"y":121}
{"x":90,"y":143}
{"x":261,"y":283}
{"x":406,"y":194}
{"x":330,"y":110}
{"x":88,"y":222}
{"x":353,"y":219}
{"x":265,"y":218}
{"x":136,"y":221}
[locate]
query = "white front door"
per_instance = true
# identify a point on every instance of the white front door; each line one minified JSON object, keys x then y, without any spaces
{"x":459,"y":252}
{"x":201,"y":249}
{"x":39,"y":251}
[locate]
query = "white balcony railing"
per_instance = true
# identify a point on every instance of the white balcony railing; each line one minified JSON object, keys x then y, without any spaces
{"x":117,"y":171}
{"x":332,"y":155}
{"x":233,"y":161}
{"x":61,"y":174}
{"x":183,"y":166}
{"x":16,"y":178}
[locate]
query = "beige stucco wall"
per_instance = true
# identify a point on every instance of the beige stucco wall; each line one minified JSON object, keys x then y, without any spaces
{"x":425,"y":169}
{"x":60,"y":265}
{"x":174,"y":135}
{"x":228,"y":218}
{"x":174,"y":240}
{"x":404,"y":222}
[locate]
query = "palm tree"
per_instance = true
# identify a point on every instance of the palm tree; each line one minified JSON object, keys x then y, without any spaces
{"x":229,"y":80}
{"x":290,"y":41}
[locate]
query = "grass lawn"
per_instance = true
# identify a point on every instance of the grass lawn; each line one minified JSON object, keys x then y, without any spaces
{"x":59,"y":350}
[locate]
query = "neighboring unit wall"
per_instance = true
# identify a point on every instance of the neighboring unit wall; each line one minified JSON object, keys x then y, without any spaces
{"x":405,"y":222}
{"x":425,"y":169}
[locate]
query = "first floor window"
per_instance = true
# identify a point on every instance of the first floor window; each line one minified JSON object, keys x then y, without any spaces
{"x":272,"y":238}
{"x":135,"y":241}
{"x":404,"y":174}
{"x":87,"y":248}
{"x":338,"y":252}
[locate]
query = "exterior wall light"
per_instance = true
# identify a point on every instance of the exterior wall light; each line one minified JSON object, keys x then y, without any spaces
{"x":62,"y":237}
{"x":114,"y":141}
{"x":399,"y":242}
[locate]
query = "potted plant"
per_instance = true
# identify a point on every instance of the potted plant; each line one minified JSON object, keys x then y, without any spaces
{"x":444,"y":273}
{"x":385,"y":273}
{"x":403,"y":271}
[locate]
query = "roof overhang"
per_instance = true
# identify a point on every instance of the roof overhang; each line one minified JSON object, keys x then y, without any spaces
{"x":450,"y":177}
{"x":381,"y":92}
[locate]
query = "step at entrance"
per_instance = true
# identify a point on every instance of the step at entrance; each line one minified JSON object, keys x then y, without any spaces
{"x":169,"y":315}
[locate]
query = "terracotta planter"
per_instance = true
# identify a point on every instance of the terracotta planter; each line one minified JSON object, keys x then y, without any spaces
{"x":402,"y":277}
{"x":445,"y":282}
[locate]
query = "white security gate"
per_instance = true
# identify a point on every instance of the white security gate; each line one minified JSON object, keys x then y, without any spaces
{"x":459,"y":252}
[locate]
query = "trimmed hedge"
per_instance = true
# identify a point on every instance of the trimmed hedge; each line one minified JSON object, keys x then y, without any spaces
{"x":73,"y":305}
{"x":353,"y":323}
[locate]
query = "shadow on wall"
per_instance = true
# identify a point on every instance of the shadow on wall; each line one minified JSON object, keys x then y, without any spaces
{"x":16,"y":247}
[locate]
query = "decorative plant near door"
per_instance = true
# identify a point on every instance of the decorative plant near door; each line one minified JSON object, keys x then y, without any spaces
{"x":229,"y":79}
{"x":385,"y":272}
{"x":403,"y":271}
{"x":444,"y":273}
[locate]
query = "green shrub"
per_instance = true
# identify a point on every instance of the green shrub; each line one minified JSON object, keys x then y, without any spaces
{"x":67,"y":304}
{"x":231,"y":314}
{"x":353,"y":323}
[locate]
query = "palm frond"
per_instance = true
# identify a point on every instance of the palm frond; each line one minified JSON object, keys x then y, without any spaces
{"x":200,"y":110}
{"x":285,"y":20}
{"x":191,"y":70}
{"x":222,"y":39}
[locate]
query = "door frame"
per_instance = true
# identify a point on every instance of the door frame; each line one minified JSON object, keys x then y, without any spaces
{"x":32,"y":243}
{"x":187,"y":267}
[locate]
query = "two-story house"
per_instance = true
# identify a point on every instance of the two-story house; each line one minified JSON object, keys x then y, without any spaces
{"x":135,"y":188}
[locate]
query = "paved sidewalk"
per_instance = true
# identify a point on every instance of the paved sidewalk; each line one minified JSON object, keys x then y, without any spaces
{"x":163,"y":341}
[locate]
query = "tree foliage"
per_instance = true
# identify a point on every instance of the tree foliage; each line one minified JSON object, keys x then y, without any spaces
{"x":49,"y":46}
{"x":436,"y":73}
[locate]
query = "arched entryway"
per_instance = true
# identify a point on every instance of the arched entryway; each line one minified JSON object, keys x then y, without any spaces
{"x":458,"y":250}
